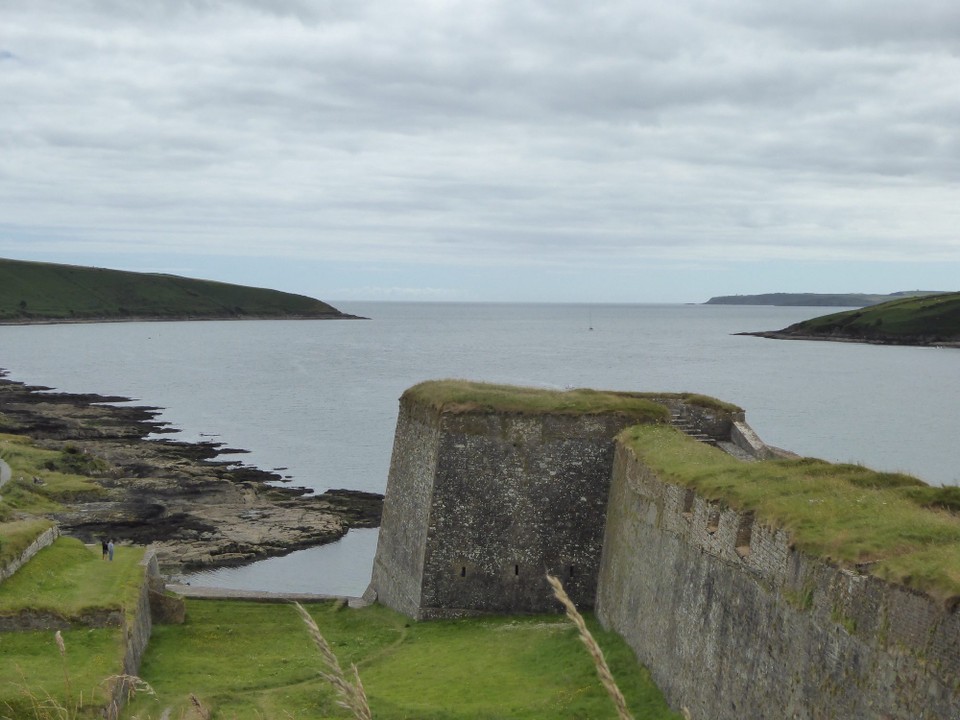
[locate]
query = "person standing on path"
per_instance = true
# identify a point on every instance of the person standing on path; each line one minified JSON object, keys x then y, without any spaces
{"x":110,"y":549}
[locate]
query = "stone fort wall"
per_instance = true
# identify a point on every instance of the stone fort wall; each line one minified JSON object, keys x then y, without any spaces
{"x":734,"y":624}
{"x":731,"y":621}
{"x":479,"y":507}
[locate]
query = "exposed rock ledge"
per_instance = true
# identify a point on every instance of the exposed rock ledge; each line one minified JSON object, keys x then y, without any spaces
{"x":198,"y":511}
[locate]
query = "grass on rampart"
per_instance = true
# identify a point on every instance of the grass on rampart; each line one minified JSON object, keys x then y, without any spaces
{"x":907,"y":531}
{"x":463,"y":396}
{"x":68,"y":578}
{"x":250,"y":661}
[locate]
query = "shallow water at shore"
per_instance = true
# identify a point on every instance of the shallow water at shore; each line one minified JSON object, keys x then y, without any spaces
{"x":319,"y":398}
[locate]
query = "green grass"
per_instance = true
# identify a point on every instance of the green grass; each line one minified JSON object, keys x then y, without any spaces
{"x":65,"y":475}
{"x":16,"y":536}
{"x":38,"y":291}
{"x":844,"y":513}
{"x":529,"y":667}
{"x":69,"y":578}
{"x":462,"y":396}
{"x":31,"y":667}
{"x":932,"y":318}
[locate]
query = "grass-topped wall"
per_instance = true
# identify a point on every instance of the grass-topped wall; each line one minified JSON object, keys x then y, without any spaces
{"x":888,"y":524}
{"x":464,"y":396}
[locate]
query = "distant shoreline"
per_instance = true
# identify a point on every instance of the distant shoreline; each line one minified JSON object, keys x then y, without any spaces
{"x":185,"y":318}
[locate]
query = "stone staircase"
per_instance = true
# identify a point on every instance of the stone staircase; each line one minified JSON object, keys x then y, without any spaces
{"x":685,"y":426}
{"x":690,"y":429}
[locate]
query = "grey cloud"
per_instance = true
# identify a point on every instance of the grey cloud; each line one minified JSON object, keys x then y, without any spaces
{"x":467,"y":128}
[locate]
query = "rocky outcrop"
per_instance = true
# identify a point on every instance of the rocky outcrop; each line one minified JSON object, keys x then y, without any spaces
{"x":196,"y":510}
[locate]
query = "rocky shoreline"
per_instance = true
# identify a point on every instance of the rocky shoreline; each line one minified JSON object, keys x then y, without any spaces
{"x":198,"y":511}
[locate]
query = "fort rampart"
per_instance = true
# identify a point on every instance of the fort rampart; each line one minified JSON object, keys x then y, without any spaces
{"x":733,"y":623}
{"x":732,"y":620}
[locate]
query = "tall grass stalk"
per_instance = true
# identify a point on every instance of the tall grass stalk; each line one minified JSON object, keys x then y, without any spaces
{"x":596,"y":654}
{"x":352,"y":695}
{"x":62,"y":647}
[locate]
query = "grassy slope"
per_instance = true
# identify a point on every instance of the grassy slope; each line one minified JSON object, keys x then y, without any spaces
{"x":38,"y":291}
{"x":908,"y":531}
{"x":531,"y":667}
{"x":21,"y":501}
{"x":924,"y":320}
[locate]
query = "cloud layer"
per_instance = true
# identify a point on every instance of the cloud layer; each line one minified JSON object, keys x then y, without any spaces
{"x":482,"y":134}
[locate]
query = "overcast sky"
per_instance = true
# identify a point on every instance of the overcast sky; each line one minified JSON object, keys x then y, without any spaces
{"x":485,"y":150}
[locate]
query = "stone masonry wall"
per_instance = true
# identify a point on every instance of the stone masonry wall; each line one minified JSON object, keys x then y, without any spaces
{"x":735,"y":625}
{"x":398,"y":564}
{"x":481,"y":506}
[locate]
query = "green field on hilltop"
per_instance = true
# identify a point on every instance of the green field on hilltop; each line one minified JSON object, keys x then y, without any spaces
{"x":926,"y":320}
{"x":497,"y":667}
{"x":34,"y":291}
{"x":908,"y":531}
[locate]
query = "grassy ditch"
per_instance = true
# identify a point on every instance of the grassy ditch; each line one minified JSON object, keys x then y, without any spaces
{"x":905,"y":530}
{"x":463,"y":396}
{"x":37,"y":682}
{"x":527,"y":667}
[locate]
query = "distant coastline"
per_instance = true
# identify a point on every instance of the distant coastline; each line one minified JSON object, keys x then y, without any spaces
{"x":782,"y":299}
{"x":925,"y":321}
{"x":171,"y":318}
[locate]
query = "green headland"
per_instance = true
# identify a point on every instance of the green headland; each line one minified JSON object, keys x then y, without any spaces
{"x":32,"y":292}
{"x":931,"y":320}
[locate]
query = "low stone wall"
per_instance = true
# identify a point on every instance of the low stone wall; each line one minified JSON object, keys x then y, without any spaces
{"x":735,"y":625}
{"x":45,"y":539}
{"x":137,"y":630}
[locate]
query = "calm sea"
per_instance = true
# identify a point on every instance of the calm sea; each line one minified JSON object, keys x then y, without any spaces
{"x":318,"y":399}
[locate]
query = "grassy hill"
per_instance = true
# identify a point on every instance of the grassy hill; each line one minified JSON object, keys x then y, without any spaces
{"x":927,"y":320}
{"x":38,"y":292}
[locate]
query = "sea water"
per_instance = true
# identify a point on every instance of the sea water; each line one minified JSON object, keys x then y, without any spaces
{"x":317,"y":400}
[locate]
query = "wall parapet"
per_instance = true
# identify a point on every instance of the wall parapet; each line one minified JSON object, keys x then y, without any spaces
{"x":735,"y":623}
{"x":45,"y":539}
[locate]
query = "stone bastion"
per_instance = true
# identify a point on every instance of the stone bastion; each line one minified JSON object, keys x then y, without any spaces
{"x":487,"y":493}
